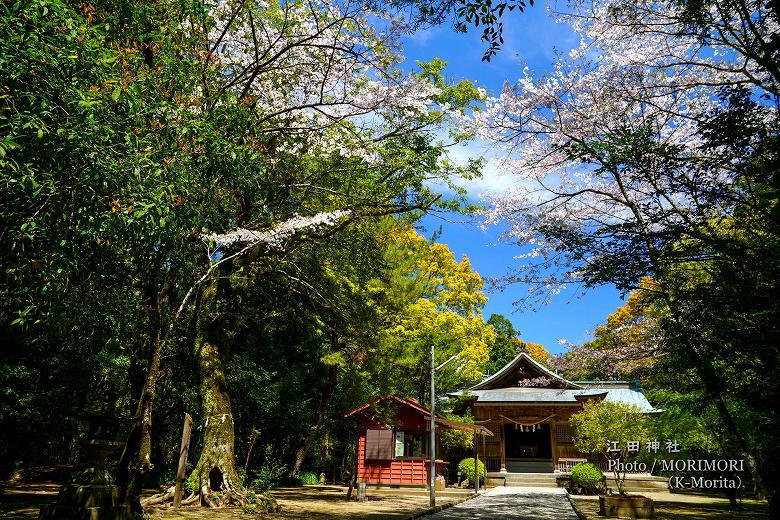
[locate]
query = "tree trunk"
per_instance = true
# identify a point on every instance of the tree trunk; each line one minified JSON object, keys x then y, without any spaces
{"x":251,"y":446}
{"x":215,"y":471}
{"x":135,"y":463}
{"x":322,"y":412}
{"x":354,"y":475}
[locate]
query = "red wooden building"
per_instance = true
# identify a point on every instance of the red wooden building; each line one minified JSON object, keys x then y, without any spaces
{"x":394,"y":441}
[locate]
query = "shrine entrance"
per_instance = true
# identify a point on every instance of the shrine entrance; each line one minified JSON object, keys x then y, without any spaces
{"x":528,"y":449}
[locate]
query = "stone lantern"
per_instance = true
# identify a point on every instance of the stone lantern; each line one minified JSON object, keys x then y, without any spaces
{"x":91,"y":493}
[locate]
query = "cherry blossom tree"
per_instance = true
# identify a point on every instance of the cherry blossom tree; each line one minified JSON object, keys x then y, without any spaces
{"x":321,"y":78}
{"x":647,"y":151}
{"x":600,"y":142}
{"x":326,"y":125}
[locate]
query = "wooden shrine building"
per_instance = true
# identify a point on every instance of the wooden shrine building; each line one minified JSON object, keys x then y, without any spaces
{"x":527,"y":407}
{"x":394,"y":441}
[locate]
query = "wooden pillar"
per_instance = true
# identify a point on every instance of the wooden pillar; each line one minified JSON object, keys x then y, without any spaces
{"x":502,"y":446}
{"x":484,"y":456}
{"x":185,"y":448}
{"x":554,"y":443}
{"x":476,"y":463}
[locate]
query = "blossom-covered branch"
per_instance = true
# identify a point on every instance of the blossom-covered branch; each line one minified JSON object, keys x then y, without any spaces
{"x":275,"y":237}
{"x":609,"y":147}
{"x":320,"y":76}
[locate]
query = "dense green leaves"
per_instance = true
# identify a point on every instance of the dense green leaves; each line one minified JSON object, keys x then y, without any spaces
{"x":607,"y":428}
{"x":121,"y":145}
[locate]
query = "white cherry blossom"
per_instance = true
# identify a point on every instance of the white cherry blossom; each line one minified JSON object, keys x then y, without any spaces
{"x":640,"y":69}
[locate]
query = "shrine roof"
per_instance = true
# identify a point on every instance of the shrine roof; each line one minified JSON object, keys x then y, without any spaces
{"x":525,"y":381}
{"x":527,"y":396}
{"x":523,"y":365}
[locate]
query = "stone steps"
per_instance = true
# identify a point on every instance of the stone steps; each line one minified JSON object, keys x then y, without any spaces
{"x":539,"y":480}
{"x":634,"y":483}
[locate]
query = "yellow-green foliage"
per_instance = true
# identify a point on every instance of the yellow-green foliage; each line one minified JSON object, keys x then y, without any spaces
{"x":451,"y":438}
{"x":537,"y":351}
{"x":601,"y":422}
{"x":433,"y":299}
{"x":587,"y":476}
{"x":466,"y":466}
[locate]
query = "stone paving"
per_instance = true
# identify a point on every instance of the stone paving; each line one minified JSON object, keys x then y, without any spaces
{"x":516,"y":503}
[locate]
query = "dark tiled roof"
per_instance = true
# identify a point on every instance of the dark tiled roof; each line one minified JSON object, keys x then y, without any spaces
{"x":631,"y":396}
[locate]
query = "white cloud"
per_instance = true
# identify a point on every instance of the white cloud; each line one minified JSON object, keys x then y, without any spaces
{"x":423,"y":36}
{"x":494,"y":180}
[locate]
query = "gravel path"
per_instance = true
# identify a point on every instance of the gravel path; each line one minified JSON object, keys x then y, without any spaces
{"x":512,"y":503}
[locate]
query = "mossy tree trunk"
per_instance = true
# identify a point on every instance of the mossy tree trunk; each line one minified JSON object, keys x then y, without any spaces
{"x":215,"y":474}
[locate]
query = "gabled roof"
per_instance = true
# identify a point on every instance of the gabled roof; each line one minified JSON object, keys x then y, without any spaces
{"x":554,"y":396}
{"x":400,"y":400}
{"x":503,"y":388}
{"x":441,"y":421}
{"x":523,"y":362}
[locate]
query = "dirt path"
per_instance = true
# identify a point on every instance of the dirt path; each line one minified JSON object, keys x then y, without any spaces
{"x":23,"y":501}
{"x":321,"y":503}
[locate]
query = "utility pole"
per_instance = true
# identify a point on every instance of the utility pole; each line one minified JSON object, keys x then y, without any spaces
{"x":435,"y":369}
{"x":433,"y":430}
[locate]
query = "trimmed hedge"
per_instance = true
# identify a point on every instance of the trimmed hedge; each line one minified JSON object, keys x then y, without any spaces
{"x":466,"y":466}
{"x":587,"y":476}
{"x":308,"y":477}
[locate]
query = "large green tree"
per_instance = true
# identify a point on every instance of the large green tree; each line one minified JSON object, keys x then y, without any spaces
{"x":129,"y":128}
{"x":427,"y":298}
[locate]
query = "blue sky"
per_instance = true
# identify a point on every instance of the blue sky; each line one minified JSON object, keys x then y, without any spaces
{"x":531,"y":39}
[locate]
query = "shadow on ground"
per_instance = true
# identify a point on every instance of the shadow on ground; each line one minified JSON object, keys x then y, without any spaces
{"x":698,"y":508}
{"x":23,"y":501}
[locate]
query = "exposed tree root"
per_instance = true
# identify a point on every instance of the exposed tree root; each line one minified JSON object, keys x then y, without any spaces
{"x":224,"y":497}
{"x":192,"y":499}
{"x":159,"y":498}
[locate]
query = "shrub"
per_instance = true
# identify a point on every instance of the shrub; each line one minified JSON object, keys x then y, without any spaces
{"x":586,"y":476}
{"x":466,"y":466}
{"x":168,"y":476}
{"x":270,"y":473}
{"x":268,"y":477}
{"x":308,"y":477}
{"x":601,"y":423}
{"x":270,"y":504}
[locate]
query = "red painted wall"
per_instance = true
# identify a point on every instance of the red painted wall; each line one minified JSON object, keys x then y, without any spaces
{"x":403,"y":472}
{"x":389,"y":471}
